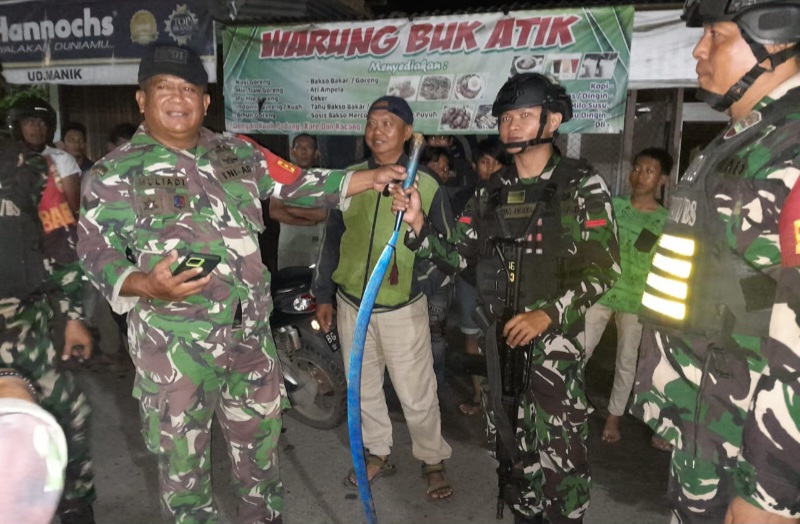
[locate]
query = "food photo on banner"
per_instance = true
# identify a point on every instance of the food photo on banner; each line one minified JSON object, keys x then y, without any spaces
{"x":320,"y":78}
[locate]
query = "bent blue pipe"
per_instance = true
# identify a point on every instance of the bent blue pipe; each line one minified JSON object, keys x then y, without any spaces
{"x":360,"y":336}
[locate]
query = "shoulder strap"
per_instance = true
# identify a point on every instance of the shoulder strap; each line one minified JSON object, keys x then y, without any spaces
{"x":568,"y":171}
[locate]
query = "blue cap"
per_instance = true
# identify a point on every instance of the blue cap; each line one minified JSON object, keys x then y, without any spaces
{"x":395,"y":105}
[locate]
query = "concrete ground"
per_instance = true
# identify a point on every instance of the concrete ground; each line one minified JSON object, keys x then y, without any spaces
{"x":629,"y":476}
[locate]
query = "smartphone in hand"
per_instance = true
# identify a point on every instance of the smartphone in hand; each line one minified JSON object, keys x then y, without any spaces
{"x":195,"y":260}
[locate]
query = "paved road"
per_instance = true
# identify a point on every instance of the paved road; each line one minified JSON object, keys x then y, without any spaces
{"x":629,"y":477}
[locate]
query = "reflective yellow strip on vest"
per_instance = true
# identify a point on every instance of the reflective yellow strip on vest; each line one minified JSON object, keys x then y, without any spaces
{"x":669,"y":308}
{"x":668,"y":286}
{"x":682,"y":246}
{"x":672,"y":266}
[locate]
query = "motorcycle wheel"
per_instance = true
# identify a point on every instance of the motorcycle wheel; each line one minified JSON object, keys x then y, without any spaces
{"x":330,"y":404}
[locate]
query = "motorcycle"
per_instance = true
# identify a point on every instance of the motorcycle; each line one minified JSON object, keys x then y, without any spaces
{"x":312,"y":366}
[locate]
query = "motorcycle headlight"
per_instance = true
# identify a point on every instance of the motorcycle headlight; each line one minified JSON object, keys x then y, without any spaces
{"x":304,"y":303}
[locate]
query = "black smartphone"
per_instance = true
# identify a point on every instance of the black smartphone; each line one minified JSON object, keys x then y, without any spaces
{"x":645,"y":241}
{"x":194,"y":260}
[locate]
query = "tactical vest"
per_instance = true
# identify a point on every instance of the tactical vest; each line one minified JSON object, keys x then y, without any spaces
{"x":522,"y":238}
{"x":697,"y":285}
{"x":22,"y":177}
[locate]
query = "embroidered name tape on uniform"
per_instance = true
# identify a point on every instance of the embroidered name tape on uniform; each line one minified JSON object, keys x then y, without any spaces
{"x":518,"y":210}
{"x":158,"y":181}
{"x":280,"y":170}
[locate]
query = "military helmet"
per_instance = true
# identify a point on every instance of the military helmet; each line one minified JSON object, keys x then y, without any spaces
{"x":31,"y":107}
{"x":531,"y":90}
{"x":764,"y":21}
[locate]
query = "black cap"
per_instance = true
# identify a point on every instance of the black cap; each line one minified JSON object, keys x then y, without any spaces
{"x":395,"y":105}
{"x":173,"y":60}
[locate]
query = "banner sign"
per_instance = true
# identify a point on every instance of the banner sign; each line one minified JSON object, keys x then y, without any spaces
{"x":95,"y":41}
{"x":322,"y":78}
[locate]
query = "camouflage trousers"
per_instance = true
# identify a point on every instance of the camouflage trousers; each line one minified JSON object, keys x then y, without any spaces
{"x":699,"y":403}
{"x":26,"y":346}
{"x":552,"y":430}
{"x":766,"y":476}
{"x":183,"y":378}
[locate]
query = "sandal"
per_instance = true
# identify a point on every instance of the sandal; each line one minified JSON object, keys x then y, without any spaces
{"x":661,"y":444}
{"x":385,"y":469}
{"x":470,"y":408}
{"x":440,"y":487}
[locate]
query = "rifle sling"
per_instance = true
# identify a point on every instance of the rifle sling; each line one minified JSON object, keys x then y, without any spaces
{"x":505,"y":429}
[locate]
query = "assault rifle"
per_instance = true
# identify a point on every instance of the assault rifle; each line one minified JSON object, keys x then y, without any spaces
{"x":507,"y":367}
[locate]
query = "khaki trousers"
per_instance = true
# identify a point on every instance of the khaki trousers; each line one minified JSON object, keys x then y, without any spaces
{"x":629,"y":336}
{"x":398,"y":341}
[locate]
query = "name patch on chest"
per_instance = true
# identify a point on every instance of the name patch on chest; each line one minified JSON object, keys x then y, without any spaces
{"x":235,"y":172}
{"x":518,"y":210}
{"x":159,"y":181}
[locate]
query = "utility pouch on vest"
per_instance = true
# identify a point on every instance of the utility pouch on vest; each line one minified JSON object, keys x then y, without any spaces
{"x":21,"y":263}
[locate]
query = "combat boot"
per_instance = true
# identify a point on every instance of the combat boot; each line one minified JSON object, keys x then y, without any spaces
{"x":76,"y":512}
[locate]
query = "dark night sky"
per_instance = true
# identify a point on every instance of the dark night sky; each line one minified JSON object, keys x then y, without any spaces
{"x":416,"y":6}
{"x":384,"y":7}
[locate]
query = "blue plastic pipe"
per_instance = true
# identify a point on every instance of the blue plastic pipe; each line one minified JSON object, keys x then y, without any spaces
{"x":360,"y":336}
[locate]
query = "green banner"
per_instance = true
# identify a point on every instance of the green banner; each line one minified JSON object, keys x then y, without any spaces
{"x":321,"y":78}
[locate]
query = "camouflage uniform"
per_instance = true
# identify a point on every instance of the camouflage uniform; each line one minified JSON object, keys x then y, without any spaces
{"x":766,"y":476}
{"x":678,"y":391}
{"x":552,"y":425}
{"x":25,"y":345}
{"x":193,"y":358}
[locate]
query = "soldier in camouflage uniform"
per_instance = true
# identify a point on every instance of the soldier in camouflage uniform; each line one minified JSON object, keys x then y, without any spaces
{"x":28,"y":287}
{"x":711,"y":290}
{"x":569,"y":239}
{"x":199,"y":346}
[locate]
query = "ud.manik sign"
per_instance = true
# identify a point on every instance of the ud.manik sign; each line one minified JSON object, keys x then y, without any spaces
{"x":97,"y":42}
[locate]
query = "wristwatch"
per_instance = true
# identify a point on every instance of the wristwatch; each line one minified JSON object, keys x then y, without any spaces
{"x":28,"y":384}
